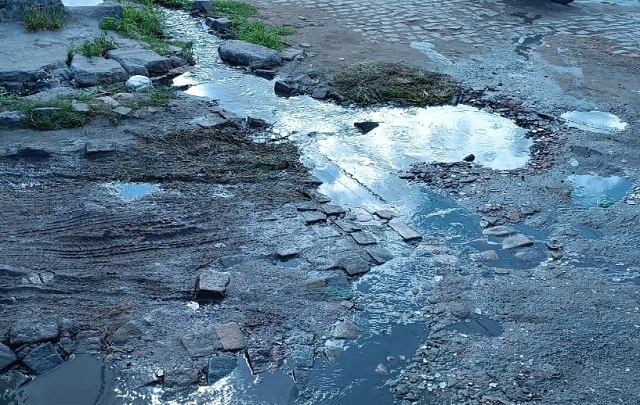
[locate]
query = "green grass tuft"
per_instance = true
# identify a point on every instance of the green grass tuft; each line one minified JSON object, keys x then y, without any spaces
{"x":369,"y":83}
{"x":236,"y":9}
{"x":257,"y":32}
{"x":175,"y":4}
{"x":43,"y":17}
{"x":144,"y":23}
{"x":96,"y":47}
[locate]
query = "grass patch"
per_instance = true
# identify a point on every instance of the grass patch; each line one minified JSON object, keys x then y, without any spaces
{"x":175,"y":4}
{"x":96,"y":47}
{"x":43,"y":17}
{"x":59,"y":113}
{"x":373,"y":82}
{"x":236,"y":9}
{"x":144,"y":23}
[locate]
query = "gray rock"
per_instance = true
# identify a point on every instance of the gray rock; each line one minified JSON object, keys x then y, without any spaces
{"x":403,"y":230}
{"x":361,"y":214}
{"x":181,"y":377}
{"x":12,"y":380}
{"x":206,"y":7}
{"x":203,"y":343}
{"x":230,"y":336}
{"x":325,"y":232}
{"x":320,"y":93}
{"x":177,"y":61}
{"x":99,"y":146}
{"x":122,"y":112}
{"x":138,"y":82}
{"x":243,"y":53}
{"x":385,"y":214}
{"x":347,"y":226}
{"x":378,"y":254}
{"x":345,"y":330}
{"x":33,"y":331}
{"x":500,"y":230}
{"x":80,"y":107}
{"x":303,"y":356}
{"x":42,"y":359}
{"x":287,"y":253}
{"x":220,"y":366}
{"x":94,"y":71}
{"x":220,"y":24}
{"x":302,"y":337}
{"x":517,"y":241}
{"x":354,"y":264}
{"x":144,"y":62}
{"x":7,"y":357}
{"x":108,"y":100}
{"x":363,"y":238}
{"x":486,"y":256}
{"x":332,"y":210}
{"x":212,"y":284}
{"x":10,"y":119}
{"x":127,"y":332}
{"x":313,"y":217}
{"x":291,"y":53}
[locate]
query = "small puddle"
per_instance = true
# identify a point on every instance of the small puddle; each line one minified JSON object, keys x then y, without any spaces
{"x":594,"y":191}
{"x":132,"y":191}
{"x":526,"y":44}
{"x":292,"y":263}
{"x":477,"y":326}
{"x":594,"y":121}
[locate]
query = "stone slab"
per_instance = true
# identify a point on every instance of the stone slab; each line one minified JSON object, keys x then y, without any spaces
{"x":220,"y":366}
{"x":404,"y":231}
{"x":143,"y":62}
{"x":33,"y":330}
{"x":364,"y":238}
{"x":7,"y":357}
{"x":212,"y":284}
{"x":42,"y":359}
{"x":231,"y":336}
{"x":517,"y":241}
{"x":94,"y":71}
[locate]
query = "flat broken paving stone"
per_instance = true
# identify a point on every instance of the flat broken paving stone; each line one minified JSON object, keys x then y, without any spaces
{"x":212,"y":284}
{"x":230,"y":336}
{"x":362,"y":214}
{"x":332,"y":210}
{"x":385,"y":214}
{"x":500,"y":230}
{"x":346,"y":225}
{"x":379,"y":254}
{"x":202,"y":343}
{"x":517,"y":241}
{"x":364,"y":238}
{"x":354,"y":264}
{"x":313,"y":217}
{"x":404,"y":231}
{"x":325,"y":231}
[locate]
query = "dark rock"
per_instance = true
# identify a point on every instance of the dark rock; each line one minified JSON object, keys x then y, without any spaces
{"x":222,"y":24}
{"x":12,"y":380}
{"x":332,"y":210}
{"x":7,"y":357}
{"x":320,"y":93}
{"x":345,"y":330}
{"x":469,"y":158}
{"x":10,"y":119}
{"x":212,"y":284}
{"x":265,"y":73}
{"x":287,"y":253}
{"x":354,"y":264}
{"x":378,"y":254}
{"x":231,"y":337}
{"x":206,"y":7}
{"x":181,"y":377}
{"x":243,"y":53}
{"x":303,"y":356}
{"x":284,"y":89}
{"x":33,"y":331}
{"x":385,"y":214}
{"x":313,"y":217}
{"x":42,"y":359}
{"x":363,"y":238}
{"x":220,"y":366}
{"x":366,"y":126}
{"x":203,"y":343}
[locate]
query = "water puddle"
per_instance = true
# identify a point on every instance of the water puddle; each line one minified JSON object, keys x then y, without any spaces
{"x":81,"y":3}
{"x":594,"y":121}
{"x":598,"y":191}
{"x":289,"y":263}
{"x":132,"y":191}
{"x":526,"y":44}
{"x":481,"y":325}
{"x":80,"y":381}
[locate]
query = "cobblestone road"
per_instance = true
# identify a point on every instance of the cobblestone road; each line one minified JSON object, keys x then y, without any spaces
{"x":485,"y":23}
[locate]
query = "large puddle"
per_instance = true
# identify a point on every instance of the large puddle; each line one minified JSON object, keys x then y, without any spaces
{"x":597,"y":191}
{"x":594,"y":121}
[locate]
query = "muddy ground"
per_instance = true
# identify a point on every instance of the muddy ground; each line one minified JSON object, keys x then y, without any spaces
{"x":115,"y":275}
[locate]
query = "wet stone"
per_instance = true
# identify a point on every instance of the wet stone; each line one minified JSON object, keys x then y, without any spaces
{"x":332,"y":210}
{"x":378,"y":254}
{"x":7,"y":357}
{"x":354,"y":265}
{"x":122,"y":111}
{"x":212,"y":284}
{"x":347,"y":226}
{"x":307,"y":206}
{"x":363,"y":238}
{"x":302,"y":337}
{"x":33,"y":331}
{"x":220,"y":366}
{"x":126,"y":333}
{"x":181,"y":377}
{"x":500,"y":230}
{"x":230,"y":336}
{"x":361,"y":214}
{"x":313,"y":217}
{"x":42,"y":359}
{"x":404,"y":231}
{"x":325,"y":232}
{"x":486,"y":256}
{"x":203,"y":343}
{"x":345,"y":330}
{"x":303,"y":356}
{"x":517,"y":241}
{"x":385,"y":214}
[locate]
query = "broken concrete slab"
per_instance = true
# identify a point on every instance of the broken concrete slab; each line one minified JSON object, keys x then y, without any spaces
{"x":33,"y":330}
{"x":42,"y":359}
{"x":231,"y":337}
{"x":404,"y":231}
{"x":354,"y":264}
{"x":385,"y":214}
{"x":332,"y":210}
{"x":364,"y":238}
{"x":89,"y":72}
{"x":517,"y":241}
{"x":142,"y":62}
{"x":325,"y":231}
{"x":212,"y":284}
{"x":202,"y":343}
{"x":378,"y":254}
{"x":7,"y":357}
{"x":362,"y":214}
{"x":313,"y":217}
{"x":347,"y":226}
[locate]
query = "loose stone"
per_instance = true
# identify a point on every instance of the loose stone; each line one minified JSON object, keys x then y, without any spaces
{"x":212,"y":284}
{"x":230,"y":336}
{"x":404,"y":231}
{"x":517,"y":241}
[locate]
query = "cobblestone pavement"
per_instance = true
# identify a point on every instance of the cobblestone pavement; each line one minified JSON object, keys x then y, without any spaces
{"x":486,"y":23}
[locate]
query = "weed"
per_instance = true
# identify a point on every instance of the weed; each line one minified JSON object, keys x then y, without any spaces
{"x":372,"y":82}
{"x":43,"y":17}
{"x":96,"y":47}
{"x":144,"y":23}
{"x":257,"y":32}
